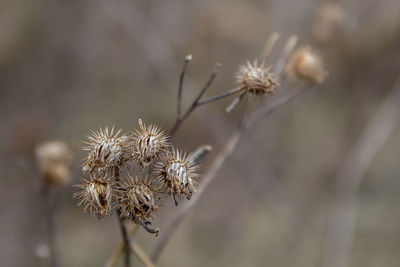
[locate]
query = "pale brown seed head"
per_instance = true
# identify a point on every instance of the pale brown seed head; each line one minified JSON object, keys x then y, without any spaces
{"x":96,"y":196}
{"x":330,"y":18}
{"x":54,"y":152}
{"x":55,"y":175}
{"x":139,"y":199}
{"x":149,"y":143}
{"x":304,"y":64}
{"x":256,"y":79}
{"x":177,"y":175}
{"x":107,"y":150}
{"x":52,"y":161}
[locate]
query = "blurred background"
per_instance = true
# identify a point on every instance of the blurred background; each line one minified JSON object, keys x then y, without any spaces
{"x":70,"y":66}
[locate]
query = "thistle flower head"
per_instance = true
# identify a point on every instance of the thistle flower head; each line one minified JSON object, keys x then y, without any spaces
{"x":139,"y":199}
{"x":149,"y":142}
{"x":106,"y":150}
{"x":305,"y":64}
{"x":96,"y":196}
{"x":177,"y":175}
{"x":256,"y":79}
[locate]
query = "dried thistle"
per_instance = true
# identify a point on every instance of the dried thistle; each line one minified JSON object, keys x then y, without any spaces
{"x":106,"y":150}
{"x":52,"y":159}
{"x":305,"y":64}
{"x":149,"y":143}
{"x":177,"y":174}
{"x":96,"y":197}
{"x":256,"y":79}
{"x":139,"y":199}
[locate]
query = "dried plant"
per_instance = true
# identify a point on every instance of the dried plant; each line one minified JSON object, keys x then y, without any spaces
{"x":177,"y":174}
{"x":135,"y":173}
{"x":96,"y":196}
{"x":149,"y":142}
{"x":256,"y":79}
{"x":107,"y":149}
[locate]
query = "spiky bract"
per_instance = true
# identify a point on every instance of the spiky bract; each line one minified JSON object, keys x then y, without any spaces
{"x":256,"y":79}
{"x":177,"y":175}
{"x":149,"y":143}
{"x":96,"y":196}
{"x":139,"y":199}
{"x":107,"y":150}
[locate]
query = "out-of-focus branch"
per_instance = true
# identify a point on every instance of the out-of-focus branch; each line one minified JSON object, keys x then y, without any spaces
{"x":141,"y":254}
{"x":113,"y":260}
{"x":343,"y":218}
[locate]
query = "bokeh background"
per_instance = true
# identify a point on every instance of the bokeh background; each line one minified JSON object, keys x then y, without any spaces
{"x":70,"y":66}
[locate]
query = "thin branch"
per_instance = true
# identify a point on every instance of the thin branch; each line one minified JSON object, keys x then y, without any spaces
{"x":51,"y":233}
{"x":268,"y":46}
{"x":180,"y":87}
{"x":182,"y":118}
{"x":355,"y":165}
{"x":141,"y":254}
{"x":287,"y":50}
{"x":220,"y":96}
{"x":113,"y":260}
{"x":199,"y":153}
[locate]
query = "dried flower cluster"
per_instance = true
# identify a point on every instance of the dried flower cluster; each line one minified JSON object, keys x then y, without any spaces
{"x":53,"y":159}
{"x":122,"y":176}
{"x":256,"y":79}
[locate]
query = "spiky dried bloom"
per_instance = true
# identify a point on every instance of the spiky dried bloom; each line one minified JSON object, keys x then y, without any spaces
{"x":256,"y":79}
{"x":149,"y":142}
{"x":52,"y":160}
{"x":139,"y":199}
{"x":306,"y":65}
{"x":96,"y":196}
{"x":107,"y":149}
{"x":177,"y":174}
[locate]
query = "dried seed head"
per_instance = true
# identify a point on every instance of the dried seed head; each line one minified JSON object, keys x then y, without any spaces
{"x":177,"y":175}
{"x":139,"y":199}
{"x":55,"y":175}
{"x":52,"y":159}
{"x":330,"y":18}
{"x":256,"y":79}
{"x":54,"y":152}
{"x":106,"y":150}
{"x":148,"y":143}
{"x":305,"y":64}
{"x":96,"y":196}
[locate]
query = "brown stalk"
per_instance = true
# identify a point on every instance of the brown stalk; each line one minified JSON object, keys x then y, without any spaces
{"x":124,"y":232}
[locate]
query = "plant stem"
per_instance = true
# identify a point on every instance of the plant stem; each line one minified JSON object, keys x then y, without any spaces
{"x":113,"y":260}
{"x":51,"y":233}
{"x":180,"y":119}
{"x":141,"y":254}
{"x":124,"y":232}
{"x":180,"y":87}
